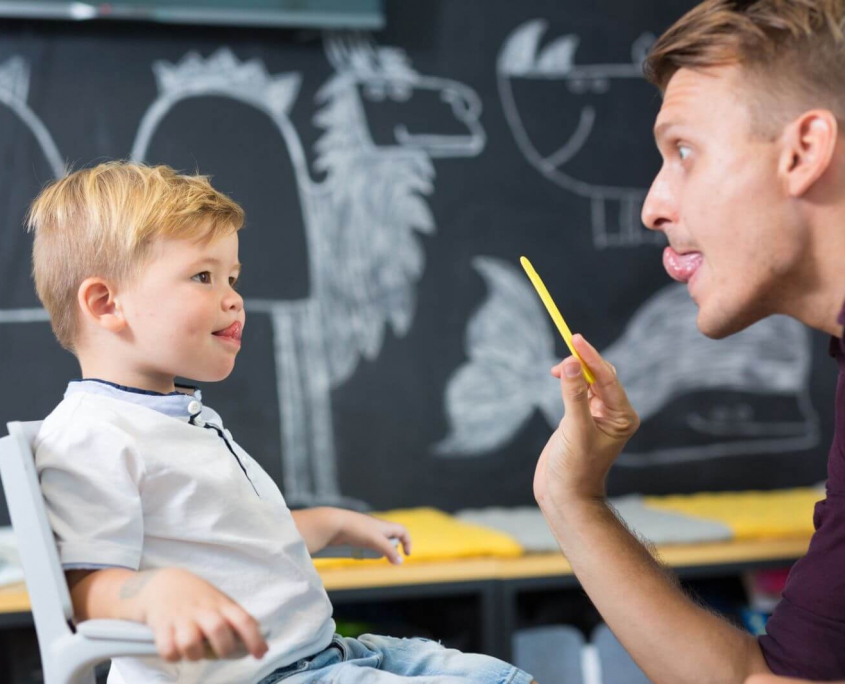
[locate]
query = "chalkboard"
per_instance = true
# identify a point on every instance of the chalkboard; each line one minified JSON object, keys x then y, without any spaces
{"x":395,"y":354}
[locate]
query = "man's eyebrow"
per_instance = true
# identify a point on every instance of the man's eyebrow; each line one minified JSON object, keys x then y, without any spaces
{"x":661,"y":128}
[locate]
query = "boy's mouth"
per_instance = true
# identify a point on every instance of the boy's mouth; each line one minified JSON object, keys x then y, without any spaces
{"x":233,"y":332}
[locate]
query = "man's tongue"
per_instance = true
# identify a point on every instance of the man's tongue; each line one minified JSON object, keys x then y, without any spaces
{"x":681,"y":266}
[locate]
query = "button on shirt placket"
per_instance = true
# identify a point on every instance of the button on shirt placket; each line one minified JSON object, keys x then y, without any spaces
{"x":194,"y":411}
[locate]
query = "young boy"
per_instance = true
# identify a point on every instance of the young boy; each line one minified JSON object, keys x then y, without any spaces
{"x":159,"y":515}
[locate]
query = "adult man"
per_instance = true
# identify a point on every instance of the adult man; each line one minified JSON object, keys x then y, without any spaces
{"x":751,"y":197}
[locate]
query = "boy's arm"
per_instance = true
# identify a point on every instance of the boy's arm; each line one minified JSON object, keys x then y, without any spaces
{"x":100,"y":594}
{"x":318,"y":526}
{"x":322,"y":527}
{"x":670,"y":637}
{"x":183,"y":610}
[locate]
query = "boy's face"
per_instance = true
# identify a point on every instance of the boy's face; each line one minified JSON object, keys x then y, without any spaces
{"x":183,"y":316}
{"x":734,"y":237}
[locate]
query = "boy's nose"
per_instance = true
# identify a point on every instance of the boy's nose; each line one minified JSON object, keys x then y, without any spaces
{"x":233,"y":302}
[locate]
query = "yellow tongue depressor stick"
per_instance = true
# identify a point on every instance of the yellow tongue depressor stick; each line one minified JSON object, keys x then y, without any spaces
{"x":555,"y":314}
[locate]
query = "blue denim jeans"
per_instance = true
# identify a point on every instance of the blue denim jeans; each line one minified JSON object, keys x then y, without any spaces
{"x":371,"y":659}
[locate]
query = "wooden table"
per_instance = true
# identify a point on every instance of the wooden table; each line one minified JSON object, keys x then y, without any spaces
{"x":497,"y":581}
{"x":682,"y":557}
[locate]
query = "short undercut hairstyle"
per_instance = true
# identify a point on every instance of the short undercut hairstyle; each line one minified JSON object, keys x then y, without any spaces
{"x":101,"y":222}
{"x":791,"y":52}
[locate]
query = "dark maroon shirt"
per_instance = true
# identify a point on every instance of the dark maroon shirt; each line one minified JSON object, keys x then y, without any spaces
{"x":806,"y":635}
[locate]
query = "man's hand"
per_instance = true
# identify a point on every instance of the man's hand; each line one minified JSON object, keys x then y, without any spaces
{"x":366,"y":532}
{"x":598,"y":421}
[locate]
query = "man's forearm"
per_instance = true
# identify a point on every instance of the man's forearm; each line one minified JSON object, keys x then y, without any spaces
{"x":111,"y":593}
{"x":670,"y":637}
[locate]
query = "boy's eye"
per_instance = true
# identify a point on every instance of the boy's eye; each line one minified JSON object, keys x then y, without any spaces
{"x":204,"y":278}
{"x":233,"y":282}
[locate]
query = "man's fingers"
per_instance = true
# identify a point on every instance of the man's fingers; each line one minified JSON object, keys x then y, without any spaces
{"x":573,"y":387}
{"x":218,"y":632}
{"x":246,"y":627}
{"x":607,"y":385}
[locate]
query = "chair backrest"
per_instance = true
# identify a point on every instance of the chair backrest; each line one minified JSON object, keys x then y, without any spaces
{"x":45,"y":579}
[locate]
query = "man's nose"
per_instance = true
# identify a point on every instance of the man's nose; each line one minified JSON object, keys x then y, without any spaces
{"x":659,"y":208}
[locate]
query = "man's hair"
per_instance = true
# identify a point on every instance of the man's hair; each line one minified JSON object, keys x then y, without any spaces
{"x":792,"y":51}
{"x":102,"y":221}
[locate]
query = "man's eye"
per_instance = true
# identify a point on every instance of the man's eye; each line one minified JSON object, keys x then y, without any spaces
{"x":684,"y":151}
{"x":204,"y":278}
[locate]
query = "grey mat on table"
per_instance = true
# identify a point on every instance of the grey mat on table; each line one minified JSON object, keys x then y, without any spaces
{"x":527,"y":525}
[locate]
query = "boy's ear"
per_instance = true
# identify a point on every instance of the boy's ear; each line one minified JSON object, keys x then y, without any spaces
{"x":98,"y":304}
{"x":808,"y":146}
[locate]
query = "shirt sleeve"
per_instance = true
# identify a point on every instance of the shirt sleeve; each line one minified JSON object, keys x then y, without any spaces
{"x":806,"y":634}
{"x":90,"y":476}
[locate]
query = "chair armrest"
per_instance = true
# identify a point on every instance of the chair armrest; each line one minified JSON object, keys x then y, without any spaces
{"x":115,"y":630}
{"x":113,"y":638}
{"x":98,"y":640}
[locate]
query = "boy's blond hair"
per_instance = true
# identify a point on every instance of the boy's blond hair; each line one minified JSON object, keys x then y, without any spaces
{"x":101,"y":222}
{"x":793,"y":52}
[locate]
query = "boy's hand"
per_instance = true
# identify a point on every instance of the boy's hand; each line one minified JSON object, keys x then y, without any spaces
{"x":367,"y":532}
{"x":598,"y":421}
{"x":189,"y":616}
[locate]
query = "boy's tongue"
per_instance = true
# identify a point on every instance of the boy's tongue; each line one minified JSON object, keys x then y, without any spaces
{"x":681,"y":266}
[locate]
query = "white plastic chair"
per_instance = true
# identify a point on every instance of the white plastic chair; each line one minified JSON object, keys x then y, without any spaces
{"x":68,"y":652}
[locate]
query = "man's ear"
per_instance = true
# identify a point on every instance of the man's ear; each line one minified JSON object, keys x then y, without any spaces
{"x":808,"y":146}
{"x":99,"y":305}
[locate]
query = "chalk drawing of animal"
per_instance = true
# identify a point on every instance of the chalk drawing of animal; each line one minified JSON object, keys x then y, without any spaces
{"x":747,"y":394}
{"x":587,"y":89}
{"x":14,"y":91}
{"x":361,"y":220}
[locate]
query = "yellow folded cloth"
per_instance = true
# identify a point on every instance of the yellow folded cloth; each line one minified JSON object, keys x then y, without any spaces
{"x":750,"y":515}
{"x":435,"y":536}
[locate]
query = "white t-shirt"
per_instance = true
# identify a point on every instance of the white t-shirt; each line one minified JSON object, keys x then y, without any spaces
{"x":143,"y":480}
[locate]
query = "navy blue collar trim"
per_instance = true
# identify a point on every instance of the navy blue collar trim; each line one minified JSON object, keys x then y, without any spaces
{"x":136,"y":390}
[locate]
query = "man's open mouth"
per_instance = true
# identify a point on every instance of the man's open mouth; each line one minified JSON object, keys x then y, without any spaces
{"x":681,"y":266}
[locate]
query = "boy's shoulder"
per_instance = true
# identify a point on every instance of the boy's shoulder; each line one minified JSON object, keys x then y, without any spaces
{"x":81,"y":414}
{"x":83,"y":406}
{"x":96,"y":413}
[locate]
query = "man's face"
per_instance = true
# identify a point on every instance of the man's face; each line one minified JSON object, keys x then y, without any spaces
{"x":184,"y":316}
{"x":733,"y":233}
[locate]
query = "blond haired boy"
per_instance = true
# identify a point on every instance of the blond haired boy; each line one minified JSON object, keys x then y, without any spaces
{"x":160,"y":516}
